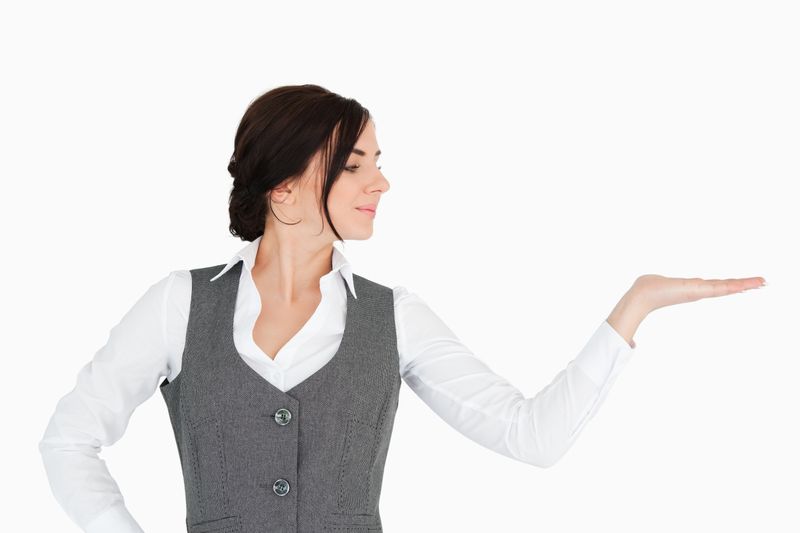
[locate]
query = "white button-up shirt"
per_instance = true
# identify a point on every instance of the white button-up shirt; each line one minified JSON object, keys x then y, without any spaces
{"x":147,"y":345}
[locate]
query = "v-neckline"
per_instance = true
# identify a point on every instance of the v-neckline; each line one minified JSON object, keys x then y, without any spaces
{"x":309,"y":323}
{"x":235,"y":279}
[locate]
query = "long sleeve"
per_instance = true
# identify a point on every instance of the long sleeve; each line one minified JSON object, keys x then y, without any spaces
{"x":485,"y":407}
{"x":95,"y":413}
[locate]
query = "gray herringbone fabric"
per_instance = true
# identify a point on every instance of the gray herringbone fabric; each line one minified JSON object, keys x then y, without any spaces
{"x":331,"y":452}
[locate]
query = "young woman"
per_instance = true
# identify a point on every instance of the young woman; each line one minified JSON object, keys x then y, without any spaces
{"x":282,"y":367}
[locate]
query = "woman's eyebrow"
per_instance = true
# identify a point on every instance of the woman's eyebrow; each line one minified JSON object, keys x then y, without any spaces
{"x":362,"y":152}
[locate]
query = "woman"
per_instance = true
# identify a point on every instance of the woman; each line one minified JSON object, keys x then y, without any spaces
{"x":282,"y":367}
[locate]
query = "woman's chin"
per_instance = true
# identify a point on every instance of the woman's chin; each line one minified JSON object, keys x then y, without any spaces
{"x":359,"y":234}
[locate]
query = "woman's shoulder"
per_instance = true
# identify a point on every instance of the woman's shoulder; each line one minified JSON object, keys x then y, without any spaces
{"x":401,"y":293}
{"x":179,"y":281}
{"x":179,"y":284}
{"x":408,"y":301}
{"x":170,"y":297}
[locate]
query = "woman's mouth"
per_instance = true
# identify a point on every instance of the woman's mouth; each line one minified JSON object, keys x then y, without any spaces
{"x":368,"y":211}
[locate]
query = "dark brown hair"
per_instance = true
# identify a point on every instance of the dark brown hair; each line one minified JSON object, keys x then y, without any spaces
{"x":277,"y":137}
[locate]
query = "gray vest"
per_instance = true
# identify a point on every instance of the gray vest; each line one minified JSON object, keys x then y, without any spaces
{"x":257,"y":459}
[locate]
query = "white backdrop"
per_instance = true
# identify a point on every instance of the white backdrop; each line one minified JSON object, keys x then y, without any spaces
{"x":546,"y":155}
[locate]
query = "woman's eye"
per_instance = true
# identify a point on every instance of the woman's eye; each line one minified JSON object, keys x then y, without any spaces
{"x":353,"y":168}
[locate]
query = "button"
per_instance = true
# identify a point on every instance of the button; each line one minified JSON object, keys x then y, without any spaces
{"x":282,"y":416}
{"x":281,"y":487}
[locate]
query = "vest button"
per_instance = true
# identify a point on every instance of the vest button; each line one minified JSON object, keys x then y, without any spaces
{"x":281,"y":487}
{"x":282,"y":416}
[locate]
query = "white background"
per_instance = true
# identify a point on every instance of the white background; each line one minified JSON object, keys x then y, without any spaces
{"x":541,"y":157}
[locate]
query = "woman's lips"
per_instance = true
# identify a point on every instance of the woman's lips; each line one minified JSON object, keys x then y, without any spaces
{"x":370,"y":212}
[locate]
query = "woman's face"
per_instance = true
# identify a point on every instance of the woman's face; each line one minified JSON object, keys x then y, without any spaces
{"x":357,"y":191}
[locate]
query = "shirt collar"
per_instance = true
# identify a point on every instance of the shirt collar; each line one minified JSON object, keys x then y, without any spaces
{"x":248,"y":254}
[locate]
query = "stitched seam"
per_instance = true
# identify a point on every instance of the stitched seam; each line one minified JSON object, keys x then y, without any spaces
{"x":222,"y":468}
{"x":376,"y":438}
{"x":353,"y":528}
{"x":343,"y":464}
{"x":196,"y":468}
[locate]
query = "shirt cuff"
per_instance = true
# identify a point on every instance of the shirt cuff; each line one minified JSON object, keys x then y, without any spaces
{"x":115,"y":518}
{"x":604,"y":354}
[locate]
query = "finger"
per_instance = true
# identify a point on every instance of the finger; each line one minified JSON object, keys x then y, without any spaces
{"x":710,"y":288}
{"x":751,"y":283}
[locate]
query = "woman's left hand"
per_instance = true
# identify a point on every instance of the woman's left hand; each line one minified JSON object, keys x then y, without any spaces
{"x":654,"y":291}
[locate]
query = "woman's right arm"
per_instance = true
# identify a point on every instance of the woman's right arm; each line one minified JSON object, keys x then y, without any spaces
{"x":95,"y":413}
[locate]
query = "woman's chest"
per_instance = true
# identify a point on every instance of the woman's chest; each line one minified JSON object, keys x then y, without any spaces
{"x":277,"y":324}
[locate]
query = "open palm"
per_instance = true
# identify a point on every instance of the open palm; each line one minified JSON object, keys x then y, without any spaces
{"x":657,"y":291}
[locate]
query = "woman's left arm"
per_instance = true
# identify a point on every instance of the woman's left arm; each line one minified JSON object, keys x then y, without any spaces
{"x":487,"y":408}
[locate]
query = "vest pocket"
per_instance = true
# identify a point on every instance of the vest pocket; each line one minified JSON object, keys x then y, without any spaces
{"x":353,"y":529}
{"x":207,"y":494}
{"x":228,"y":524}
{"x":358,"y":458}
